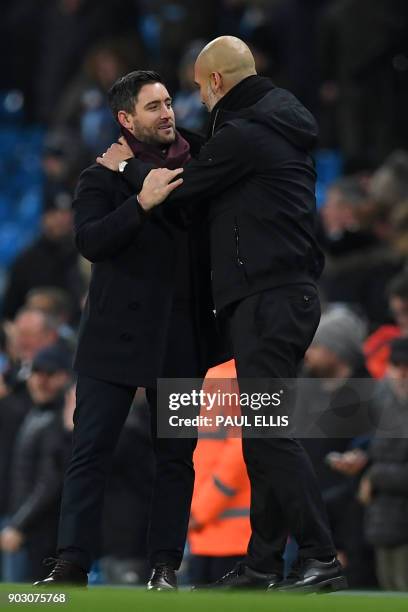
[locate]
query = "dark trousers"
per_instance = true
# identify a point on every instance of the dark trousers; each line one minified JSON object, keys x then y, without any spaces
{"x":270,"y":332}
{"x":101,"y":410}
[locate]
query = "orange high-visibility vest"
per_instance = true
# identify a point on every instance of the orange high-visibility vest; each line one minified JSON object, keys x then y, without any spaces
{"x":221,"y":496}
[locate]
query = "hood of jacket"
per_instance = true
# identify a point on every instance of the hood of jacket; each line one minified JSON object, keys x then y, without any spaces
{"x":282,"y":112}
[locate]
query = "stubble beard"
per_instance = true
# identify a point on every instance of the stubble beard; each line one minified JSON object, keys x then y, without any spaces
{"x":153,"y":136}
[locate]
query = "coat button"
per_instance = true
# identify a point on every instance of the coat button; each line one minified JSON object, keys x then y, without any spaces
{"x":134,"y":305}
{"x":126,"y":337}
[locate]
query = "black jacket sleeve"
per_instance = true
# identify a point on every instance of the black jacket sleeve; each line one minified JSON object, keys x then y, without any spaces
{"x":47,"y":489}
{"x":16,"y":289}
{"x":101,"y":230}
{"x":135,"y":173}
{"x":224,"y":160}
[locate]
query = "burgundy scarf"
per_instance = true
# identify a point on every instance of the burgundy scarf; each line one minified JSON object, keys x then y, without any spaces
{"x":176,"y":156}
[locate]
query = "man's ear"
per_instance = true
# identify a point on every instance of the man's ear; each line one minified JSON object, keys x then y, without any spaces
{"x":124,"y":120}
{"x":216,"y":81}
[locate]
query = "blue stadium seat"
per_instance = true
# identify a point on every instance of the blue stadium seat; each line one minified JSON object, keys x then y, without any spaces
{"x":329,"y":166}
{"x":21,"y":180}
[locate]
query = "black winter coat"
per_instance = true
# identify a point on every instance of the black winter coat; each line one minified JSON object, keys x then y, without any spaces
{"x":259,"y":176}
{"x":124,"y":326}
{"x":36,"y":481}
{"x":386,"y":520}
{"x":13,"y":410}
{"x":45,"y":263}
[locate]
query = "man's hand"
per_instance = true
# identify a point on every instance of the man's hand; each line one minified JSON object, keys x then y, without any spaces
{"x":157,"y":185}
{"x":365,"y":492}
{"x":11,"y":539}
{"x":117,"y":152}
{"x":350,"y":463}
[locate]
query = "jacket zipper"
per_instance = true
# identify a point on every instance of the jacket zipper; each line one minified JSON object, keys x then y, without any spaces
{"x":215,"y":121}
{"x":238,"y":255}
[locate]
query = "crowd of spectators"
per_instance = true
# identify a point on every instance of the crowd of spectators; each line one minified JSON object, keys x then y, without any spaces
{"x":347,"y":60}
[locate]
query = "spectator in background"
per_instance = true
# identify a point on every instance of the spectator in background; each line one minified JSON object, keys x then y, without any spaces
{"x":384,"y":487}
{"x":56,"y":303}
{"x":188,"y":108}
{"x":14,"y":405}
{"x":389,"y":183}
{"x":377,"y":346}
{"x":363,"y":56}
{"x":167,"y":26}
{"x":360,"y":255}
{"x":293,"y":28}
{"x":83,"y":107}
{"x":339,"y":214}
{"x":35,"y":481}
{"x":63,"y":159}
{"x":51,"y":260}
{"x":70,"y":28}
{"x":31,"y":331}
{"x":384,"y":210}
{"x":335,"y":360}
{"x":219,"y":525}
{"x":20,"y":43}
{"x":399,"y":228}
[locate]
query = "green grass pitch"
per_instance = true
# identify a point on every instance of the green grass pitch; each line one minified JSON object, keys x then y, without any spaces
{"x":111,"y":599}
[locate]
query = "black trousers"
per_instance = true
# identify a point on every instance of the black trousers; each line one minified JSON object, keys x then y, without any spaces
{"x":270,"y":332}
{"x":101,"y":411}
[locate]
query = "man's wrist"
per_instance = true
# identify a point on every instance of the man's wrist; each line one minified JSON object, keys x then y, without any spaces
{"x":142,"y":204}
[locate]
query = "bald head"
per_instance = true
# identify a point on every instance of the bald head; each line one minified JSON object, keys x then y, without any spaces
{"x":221,"y":65}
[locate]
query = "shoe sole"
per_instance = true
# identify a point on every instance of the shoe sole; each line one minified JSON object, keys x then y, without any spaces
{"x":322,"y":588}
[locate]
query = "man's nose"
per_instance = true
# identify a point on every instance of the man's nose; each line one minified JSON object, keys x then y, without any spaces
{"x":166,"y":112}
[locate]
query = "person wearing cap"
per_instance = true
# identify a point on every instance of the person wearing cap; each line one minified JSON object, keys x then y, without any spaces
{"x":35,"y":480}
{"x":384,"y":486}
{"x":333,"y":373}
{"x":336,"y":350}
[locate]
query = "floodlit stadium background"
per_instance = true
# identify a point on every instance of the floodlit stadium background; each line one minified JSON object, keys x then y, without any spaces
{"x":347,"y":61}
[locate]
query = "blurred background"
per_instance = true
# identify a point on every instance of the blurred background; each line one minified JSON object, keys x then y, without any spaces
{"x":347,"y":61}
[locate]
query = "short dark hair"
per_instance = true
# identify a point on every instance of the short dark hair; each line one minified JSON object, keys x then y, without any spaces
{"x":124,"y":92}
{"x":398,"y":286}
{"x":60,"y":301}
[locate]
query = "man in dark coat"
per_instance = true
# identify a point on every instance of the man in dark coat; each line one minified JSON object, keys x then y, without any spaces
{"x":384,"y":486}
{"x":51,"y":261}
{"x":148,"y":314}
{"x":258,"y":172}
{"x":35,"y":482}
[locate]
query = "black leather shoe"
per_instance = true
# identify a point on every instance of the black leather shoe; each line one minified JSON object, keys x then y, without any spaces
{"x":243,"y":577}
{"x":63,"y":573}
{"x":314,"y":576}
{"x":163,"y":578}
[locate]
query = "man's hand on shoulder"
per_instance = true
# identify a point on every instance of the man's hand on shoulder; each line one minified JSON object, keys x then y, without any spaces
{"x":117,"y":152}
{"x":157,"y":185}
